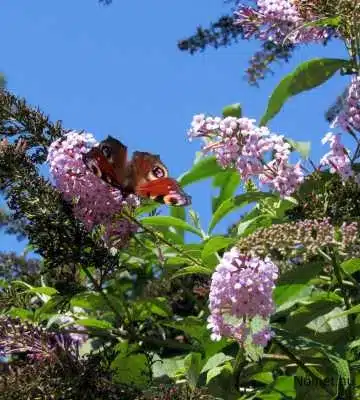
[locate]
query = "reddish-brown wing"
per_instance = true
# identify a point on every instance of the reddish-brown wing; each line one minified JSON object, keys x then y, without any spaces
{"x":164,"y":190}
{"x":149,"y":178}
{"x":108,"y":161}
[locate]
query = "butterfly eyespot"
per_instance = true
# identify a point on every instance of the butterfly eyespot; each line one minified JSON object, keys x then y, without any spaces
{"x":106,"y":150}
{"x":158,"y":172}
{"x":94,"y":168}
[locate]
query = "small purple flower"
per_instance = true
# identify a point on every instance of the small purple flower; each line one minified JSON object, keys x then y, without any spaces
{"x":349,"y":115}
{"x":275,"y":20}
{"x":94,"y":201}
{"x":241,"y":289}
{"x":337,"y":158}
{"x":239,"y":143}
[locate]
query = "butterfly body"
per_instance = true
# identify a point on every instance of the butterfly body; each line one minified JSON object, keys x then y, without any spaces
{"x":144,"y":175}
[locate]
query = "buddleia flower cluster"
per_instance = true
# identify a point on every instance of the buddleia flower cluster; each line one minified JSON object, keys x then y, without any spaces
{"x":338,"y":158}
{"x":275,"y":20}
{"x":239,"y":143}
{"x":349,"y":113}
{"x":240,"y":293}
{"x":93,"y":201}
{"x":37,"y":344}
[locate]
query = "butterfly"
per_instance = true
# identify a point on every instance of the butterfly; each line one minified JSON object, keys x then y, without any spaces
{"x":144,"y":175}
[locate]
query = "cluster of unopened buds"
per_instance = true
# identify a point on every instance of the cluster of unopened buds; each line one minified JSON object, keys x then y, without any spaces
{"x":94,"y":201}
{"x":239,"y":143}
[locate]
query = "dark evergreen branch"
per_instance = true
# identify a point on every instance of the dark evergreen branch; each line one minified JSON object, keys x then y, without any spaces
{"x":49,"y":224}
{"x":221,"y":33}
{"x":13,"y":266}
{"x":18,"y":119}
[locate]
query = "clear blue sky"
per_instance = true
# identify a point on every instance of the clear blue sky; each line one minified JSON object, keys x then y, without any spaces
{"x":117,"y":70}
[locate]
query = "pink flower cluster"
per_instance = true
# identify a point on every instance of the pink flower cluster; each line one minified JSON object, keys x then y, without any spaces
{"x":337,"y":158}
{"x":274,"y":20}
{"x":239,"y":143}
{"x":94,"y":201}
{"x":349,"y":115}
{"x":241,"y":290}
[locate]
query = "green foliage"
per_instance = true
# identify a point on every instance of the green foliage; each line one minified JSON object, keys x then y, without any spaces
{"x":90,"y":322}
{"x":306,"y":76}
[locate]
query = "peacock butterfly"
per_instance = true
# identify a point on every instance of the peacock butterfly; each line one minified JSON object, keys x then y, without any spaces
{"x":144,"y":175}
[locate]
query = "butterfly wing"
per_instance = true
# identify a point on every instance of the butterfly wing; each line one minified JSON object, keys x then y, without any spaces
{"x":108,"y":161}
{"x":150,"y":179}
{"x":164,"y":190}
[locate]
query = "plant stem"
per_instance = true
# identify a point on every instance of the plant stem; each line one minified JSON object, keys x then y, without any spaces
{"x":100,"y":290}
{"x":240,"y":362}
{"x":303,"y":366}
{"x":344,"y":293}
{"x":162,"y":239}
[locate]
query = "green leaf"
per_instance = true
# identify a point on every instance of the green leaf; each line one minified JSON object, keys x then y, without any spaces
{"x":146,"y":208}
{"x":162,"y":220}
{"x":351,"y":266}
{"x":170,"y":367}
{"x":302,"y":147}
{"x":203,"y":169}
{"x":285,"y":296}
{"x":246,"y":228}
{"x":215,"y":244}
{"x":193,"y":364}
{"x":192,"y":326}
{"x":317,"y":305}
{"x":233,"y":203}
{"x":196,"y":269}
{"x":143,"y":309}
{"x":88,"y":300}
{"x":352,"y":310}
{"x":306,"y":76}
{"x":49,"y":291}
{"x":214,"y":372}
{"x":131,"y":370}
{"x":232,"y":110}
{"x":21,"y":313}
{"x":179,"y":213}
{"x":227,"y":181}
{"x":94,"y":323}
{"x":215,"y":361}
{"x":300,"y":274}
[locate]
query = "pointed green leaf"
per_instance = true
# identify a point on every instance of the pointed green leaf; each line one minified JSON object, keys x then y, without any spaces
{"x":203,"y":169}
{"x":215,"y":244}
{"x":351,"y":266}
{"x":193,"y":364}
{"x":49,"y":291}
{"x":180,"y":213}
{"x":94,"y":323}
{"x":191,"y":270}
{"x":227,"y":181}
{"x":302,"y":147}
{"x":233,"y":203}
{"x":162,"y":220}
{"x":306,"y":76}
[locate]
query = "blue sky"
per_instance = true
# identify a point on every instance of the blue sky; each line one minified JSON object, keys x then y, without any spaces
{"x":117,"y":70}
